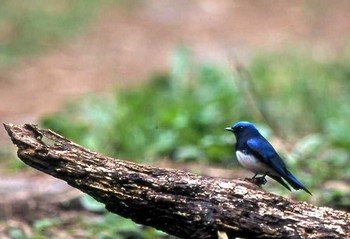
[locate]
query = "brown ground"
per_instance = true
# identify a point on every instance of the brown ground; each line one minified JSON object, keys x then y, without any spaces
{"x":124,"y":45}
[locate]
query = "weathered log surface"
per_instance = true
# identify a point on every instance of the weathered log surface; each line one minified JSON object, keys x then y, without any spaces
{"x":177,"y":202}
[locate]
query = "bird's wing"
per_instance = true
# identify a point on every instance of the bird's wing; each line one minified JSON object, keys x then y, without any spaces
{"x":264,"y":151}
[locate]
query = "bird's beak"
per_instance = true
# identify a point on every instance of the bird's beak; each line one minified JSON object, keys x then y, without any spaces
{"x":229,"y":129}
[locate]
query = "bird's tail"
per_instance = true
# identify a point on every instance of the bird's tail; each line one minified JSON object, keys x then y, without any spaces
{"x":280,"y":180}
{"x":295,"y":182}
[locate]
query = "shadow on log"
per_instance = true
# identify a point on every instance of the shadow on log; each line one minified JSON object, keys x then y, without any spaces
{"x":177,"y":202}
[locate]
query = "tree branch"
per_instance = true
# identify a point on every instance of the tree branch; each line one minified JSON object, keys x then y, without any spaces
{"x":177,"y":202}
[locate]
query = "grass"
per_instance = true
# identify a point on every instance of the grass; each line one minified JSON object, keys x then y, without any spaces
{"x":29,"y":27}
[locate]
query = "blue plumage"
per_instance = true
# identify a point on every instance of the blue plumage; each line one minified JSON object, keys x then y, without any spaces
{"x":256,"y":154}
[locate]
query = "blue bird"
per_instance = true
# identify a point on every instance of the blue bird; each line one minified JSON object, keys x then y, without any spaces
{"x":256,"y":154}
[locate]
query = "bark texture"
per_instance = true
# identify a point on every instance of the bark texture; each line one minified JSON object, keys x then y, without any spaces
{"x":177,"y":202}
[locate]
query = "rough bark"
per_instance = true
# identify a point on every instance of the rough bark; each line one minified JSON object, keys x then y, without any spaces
{"x":177,"y":202}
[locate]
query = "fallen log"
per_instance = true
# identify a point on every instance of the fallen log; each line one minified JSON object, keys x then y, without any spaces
{"x":177,"y":202}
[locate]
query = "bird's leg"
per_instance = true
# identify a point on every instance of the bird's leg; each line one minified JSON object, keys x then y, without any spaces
{"x":251,"y":179}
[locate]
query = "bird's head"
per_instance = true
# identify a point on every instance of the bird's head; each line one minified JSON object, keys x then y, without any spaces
{"x":241,"y":128}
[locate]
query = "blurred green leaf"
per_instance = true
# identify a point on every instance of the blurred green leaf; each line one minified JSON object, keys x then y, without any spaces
{"x":16,"y":233}
{"x":90,"y":204}
{"x":46,"y":222}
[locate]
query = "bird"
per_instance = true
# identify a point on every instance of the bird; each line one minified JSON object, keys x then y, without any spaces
{"x":257,"y":155}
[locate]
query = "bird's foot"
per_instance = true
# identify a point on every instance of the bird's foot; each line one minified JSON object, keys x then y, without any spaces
{"x":260,"y":180}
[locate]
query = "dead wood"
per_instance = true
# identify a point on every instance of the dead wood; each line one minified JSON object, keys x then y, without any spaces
{"x":177,"y":202}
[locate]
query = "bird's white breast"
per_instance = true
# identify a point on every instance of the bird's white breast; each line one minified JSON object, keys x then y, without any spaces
{"x":252,"y":164}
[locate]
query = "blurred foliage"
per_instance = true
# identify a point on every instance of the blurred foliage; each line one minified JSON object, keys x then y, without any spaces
{"x":114,"y":226}
{"x":9,"y":160}
{"x":26,"y":27}
{"x":181,"y":115}
{"x":106,"y":226}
